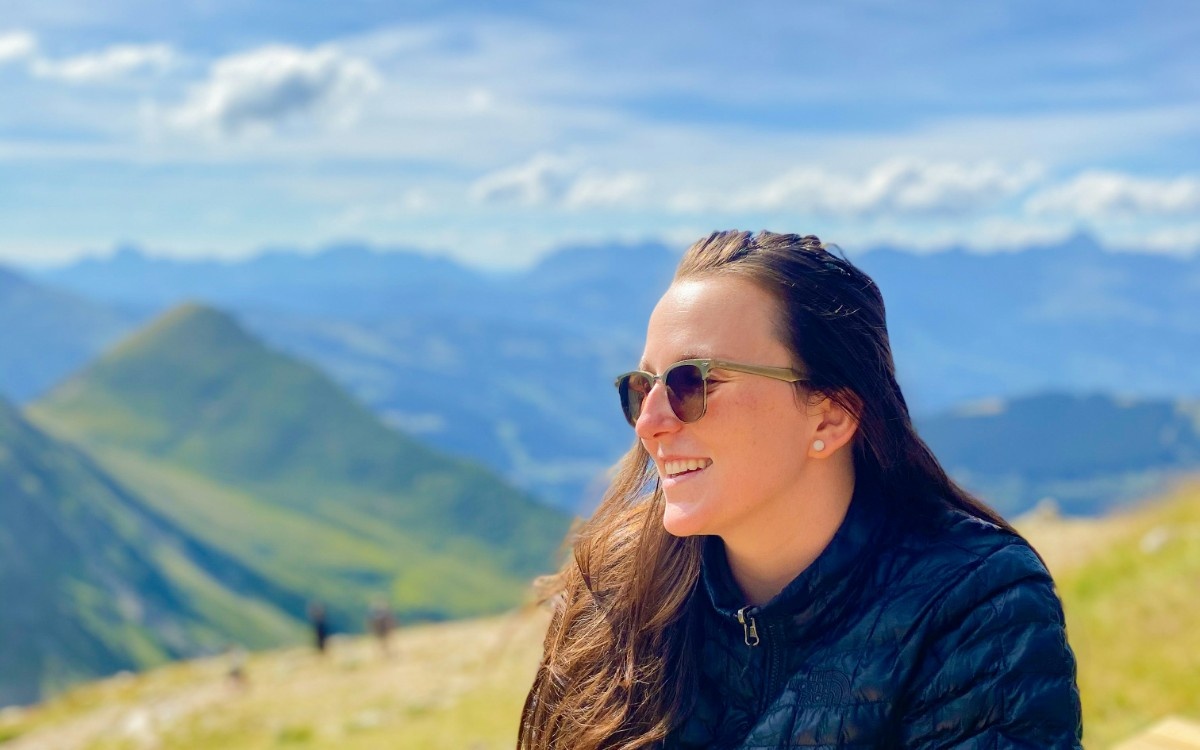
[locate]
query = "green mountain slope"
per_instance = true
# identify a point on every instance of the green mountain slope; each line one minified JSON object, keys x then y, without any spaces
{"x":268,"y":460}
{"x":93,"y":581}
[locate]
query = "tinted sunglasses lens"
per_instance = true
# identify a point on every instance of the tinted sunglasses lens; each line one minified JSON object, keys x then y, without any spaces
{"x":633,"y":389}
{"x":685,"y":391}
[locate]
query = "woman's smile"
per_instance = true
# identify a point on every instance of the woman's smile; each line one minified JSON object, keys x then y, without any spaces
{"x":678,"y":467}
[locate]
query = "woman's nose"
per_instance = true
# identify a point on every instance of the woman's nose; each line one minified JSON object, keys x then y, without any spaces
{"x":656,"y":417}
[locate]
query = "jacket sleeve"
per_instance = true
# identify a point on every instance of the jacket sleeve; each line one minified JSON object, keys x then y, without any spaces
{"x":997,"y":672}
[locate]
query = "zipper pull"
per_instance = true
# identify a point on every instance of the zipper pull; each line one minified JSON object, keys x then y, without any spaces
{"x":749,"y":626}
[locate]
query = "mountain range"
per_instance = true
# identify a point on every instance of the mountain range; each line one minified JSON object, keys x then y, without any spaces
{"x":514,"y":369}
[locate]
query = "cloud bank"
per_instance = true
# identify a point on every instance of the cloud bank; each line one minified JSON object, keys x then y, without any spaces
{"x":259,"y":90}
{"x":1101,"y":195}
{"x":894,"y":187}
{"x":109,"y":64}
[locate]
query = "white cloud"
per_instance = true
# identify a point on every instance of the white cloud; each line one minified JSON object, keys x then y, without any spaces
{"x":541,"y":180}
{"x":258,"y":90}
{"x":896,"y":186}
{"x":601,"y":190}
{"x":16,"y":45}
{"x":1105,"y":195}
{"x":548,"y":180}
{"x":111,"y":63}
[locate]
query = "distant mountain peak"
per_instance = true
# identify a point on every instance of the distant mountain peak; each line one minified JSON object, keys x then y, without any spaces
{"x":191,"y":314}
{"x":191,"y":326}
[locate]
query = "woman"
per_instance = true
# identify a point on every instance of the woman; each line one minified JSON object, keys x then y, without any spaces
{"x":780,"y":561}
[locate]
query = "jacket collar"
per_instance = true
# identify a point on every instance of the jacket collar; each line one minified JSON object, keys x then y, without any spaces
{"x":814,"y":592}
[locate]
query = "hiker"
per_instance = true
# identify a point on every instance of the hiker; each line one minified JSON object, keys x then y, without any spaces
{"x":319,"y":620}
{"x":235,"y":673}
{"x":780,"y":561}
{"x":380,"y":623}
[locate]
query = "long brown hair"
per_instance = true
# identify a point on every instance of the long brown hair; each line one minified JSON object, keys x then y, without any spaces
{"x":618,"y":670}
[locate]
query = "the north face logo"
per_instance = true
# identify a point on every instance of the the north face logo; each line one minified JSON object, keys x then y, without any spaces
{"x":825,"y":688}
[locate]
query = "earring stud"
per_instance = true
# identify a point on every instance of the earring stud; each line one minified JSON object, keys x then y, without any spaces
{"x":818,"y":445}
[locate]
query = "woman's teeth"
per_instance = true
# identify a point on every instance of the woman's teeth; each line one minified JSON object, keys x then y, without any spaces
{"x":691,"y":464}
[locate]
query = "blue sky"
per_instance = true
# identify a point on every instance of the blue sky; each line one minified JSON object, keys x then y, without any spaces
{"x":494,"y":132}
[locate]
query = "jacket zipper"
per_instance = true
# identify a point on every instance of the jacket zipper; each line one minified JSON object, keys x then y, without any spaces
{"x":749,"y":626}
{"x":745,"y":616}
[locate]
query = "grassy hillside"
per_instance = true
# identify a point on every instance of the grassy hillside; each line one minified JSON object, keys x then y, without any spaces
{"x":453,"y":686}
{"x":268,"y":460}
{"x":1133,"y":613}
{"x":1128,"y":582}
{"x":94,"y":581}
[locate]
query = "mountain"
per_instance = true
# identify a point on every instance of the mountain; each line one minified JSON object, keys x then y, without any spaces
{"x":268,"y":460}
{"x":504,"y":368}
{"x":356,"y":282}
{"x":95,"y":581}
{"x":1089,"y":454}
{"x":46,"y":333}
{"x":1069,"y":316}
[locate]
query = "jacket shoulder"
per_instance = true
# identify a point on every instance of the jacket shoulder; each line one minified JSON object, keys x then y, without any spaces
{"x":994,"y":667}
{"x":936,"y":574}
{"x":955,"y":546}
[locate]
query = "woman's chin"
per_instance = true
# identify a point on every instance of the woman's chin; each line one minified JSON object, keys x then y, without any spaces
{"x":684,"y":520}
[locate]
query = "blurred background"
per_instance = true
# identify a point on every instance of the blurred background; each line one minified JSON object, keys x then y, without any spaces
{"x":309,"y":314}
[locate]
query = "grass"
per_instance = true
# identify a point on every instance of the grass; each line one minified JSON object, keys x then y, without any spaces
{"x":1133,"y":617}
{"x":457,"y":685}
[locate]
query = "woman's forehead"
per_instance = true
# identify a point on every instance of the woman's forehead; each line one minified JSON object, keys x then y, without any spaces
{"x":712,"y":316}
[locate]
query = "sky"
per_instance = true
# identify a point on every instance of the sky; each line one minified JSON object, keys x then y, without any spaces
{"x":495,"y":132}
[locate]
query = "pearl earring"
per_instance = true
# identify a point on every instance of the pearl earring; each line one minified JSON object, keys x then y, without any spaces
{"x":818,"y":445}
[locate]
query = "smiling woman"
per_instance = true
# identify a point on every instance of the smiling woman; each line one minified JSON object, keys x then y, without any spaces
{"x":781,"y":561}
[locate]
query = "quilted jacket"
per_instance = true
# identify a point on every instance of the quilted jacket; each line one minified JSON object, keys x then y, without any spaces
{"x":943,"y":633}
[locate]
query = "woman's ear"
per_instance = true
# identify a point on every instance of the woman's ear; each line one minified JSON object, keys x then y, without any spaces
{"x":835,"y":424}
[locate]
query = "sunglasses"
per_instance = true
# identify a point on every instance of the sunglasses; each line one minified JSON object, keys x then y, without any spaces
{"x":687,"y":385}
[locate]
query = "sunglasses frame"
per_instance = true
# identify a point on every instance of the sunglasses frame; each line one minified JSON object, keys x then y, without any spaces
{"x":706,"y":366}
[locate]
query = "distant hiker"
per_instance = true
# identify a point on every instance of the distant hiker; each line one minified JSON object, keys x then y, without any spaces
{"x":380,"y":623}
{"x":319,"y":620}
{"x":236,"y":674}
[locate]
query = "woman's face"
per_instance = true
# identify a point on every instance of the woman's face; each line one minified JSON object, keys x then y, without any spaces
{"x":751,"y":444}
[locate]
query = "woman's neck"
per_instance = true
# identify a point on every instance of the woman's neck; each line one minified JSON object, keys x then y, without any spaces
{"x":766,"y":555}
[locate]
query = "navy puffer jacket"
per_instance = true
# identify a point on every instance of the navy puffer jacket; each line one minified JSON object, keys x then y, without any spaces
{"x":941,"y":634}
